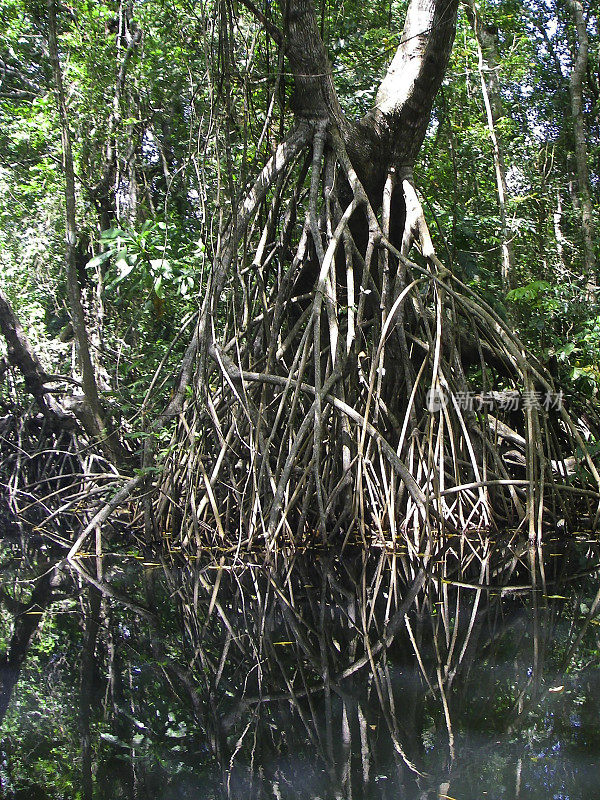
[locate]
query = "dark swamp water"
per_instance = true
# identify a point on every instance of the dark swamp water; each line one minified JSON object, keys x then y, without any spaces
{"x":360,"y":676}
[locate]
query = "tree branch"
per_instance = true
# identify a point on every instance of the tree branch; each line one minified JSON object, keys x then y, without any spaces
{"x":22,"y":356}
{"x":406,"y":95}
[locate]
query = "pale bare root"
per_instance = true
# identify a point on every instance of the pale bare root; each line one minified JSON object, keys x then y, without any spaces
{"x":415,"y":227}
{"x":344,"y":412}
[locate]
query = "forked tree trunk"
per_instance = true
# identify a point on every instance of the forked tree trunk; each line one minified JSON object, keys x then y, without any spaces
{"x":339,"y":404}
{"x":389,"y":137}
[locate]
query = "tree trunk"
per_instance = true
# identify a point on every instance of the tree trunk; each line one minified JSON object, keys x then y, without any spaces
{"x":91,"y":626}
{"x":560,"y":239}
{"x":576,"y":79}
{"x":489,"y":64}
{"x":91,"y":417}
{"x":389,"y":137}
{"x":22,"y":355}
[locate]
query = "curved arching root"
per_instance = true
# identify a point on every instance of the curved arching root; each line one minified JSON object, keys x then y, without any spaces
{"x":384,"y":403}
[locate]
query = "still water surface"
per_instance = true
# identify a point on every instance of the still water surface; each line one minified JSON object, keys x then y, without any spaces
{"x":318,"y":677}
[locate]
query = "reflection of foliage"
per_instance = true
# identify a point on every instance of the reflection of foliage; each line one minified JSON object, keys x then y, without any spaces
{"x":39,"y":733}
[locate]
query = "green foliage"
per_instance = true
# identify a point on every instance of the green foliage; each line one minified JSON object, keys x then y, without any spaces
{"x":166,"y":134}
{"x":148,"y":260}
{"x":532,"y":293}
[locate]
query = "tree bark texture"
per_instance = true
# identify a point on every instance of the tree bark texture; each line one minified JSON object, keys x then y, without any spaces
{"x":489,"y":65}
{"x":93,"y":421}
{"x":576,"y":80}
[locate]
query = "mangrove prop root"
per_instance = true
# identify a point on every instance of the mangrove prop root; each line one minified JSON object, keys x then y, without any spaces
{"x":343,"y":389}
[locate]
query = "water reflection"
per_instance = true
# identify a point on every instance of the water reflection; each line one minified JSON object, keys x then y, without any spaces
{"x":367,"y":676}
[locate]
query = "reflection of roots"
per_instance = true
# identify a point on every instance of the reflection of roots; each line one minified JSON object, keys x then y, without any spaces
{"x":353,"y":654}
{"x":312,"y":417}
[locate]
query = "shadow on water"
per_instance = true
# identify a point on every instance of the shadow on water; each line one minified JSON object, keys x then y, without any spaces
{"x":366,"y":676}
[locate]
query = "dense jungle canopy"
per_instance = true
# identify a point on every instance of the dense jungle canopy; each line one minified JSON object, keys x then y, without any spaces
{"x":276,"y":274}
{"x":299,"y":375}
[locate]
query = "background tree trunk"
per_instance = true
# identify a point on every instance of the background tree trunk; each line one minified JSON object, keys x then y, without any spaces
{"x":92,"y":418}
{"x":489,"y":66}
{"x":576,"y":79}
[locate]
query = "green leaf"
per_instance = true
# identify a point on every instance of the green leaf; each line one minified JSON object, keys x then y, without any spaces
{"x":162,"y":265}
{"x":99,"y":259}
{"x":125,"y":265}
{"x":111,"y":233}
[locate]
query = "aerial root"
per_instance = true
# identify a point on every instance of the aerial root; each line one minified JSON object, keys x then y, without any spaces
{"x":333,"y":390}
{"x":380,"y":404}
